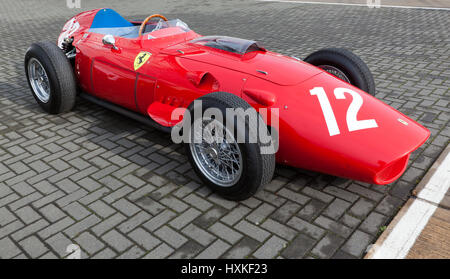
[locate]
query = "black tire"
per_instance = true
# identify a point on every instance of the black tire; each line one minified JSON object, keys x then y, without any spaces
{"x":348,"y":63}
{"x":257,"y":169}
{"x":63,"y":87}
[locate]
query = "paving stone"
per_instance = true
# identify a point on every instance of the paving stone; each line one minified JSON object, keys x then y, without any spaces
{"x":198,"y":234}
{"x":76,"y":210}
{"x":389,"y":205}
{"x":108,"y":224}
{"x":298,"y":247}
{"x":210,"y":217}
{"x":252,"y":230}
{"x":159,"y":220}
{"x":285,"y":212}
{"x":6,"y":216}
{"x":59,"y":243}
{"x":185,"y":218}
{"x":373,"y":223}
{"x":336,"y":209}
{"x":133,"y":253}
{"x":270,"y":248}
{"x":33,"y":246}
{"x":350,"y":221}
{"x":372,"y":195}
{"x":101,"y":209}
{"x":49,"y":256}
{"x":160,"y":252}
{"x":311,"y":210}
{"x":235,"y":215}
{"x":214,"y":251}
{"x":56,"y":227}
{"x":48,"y":199}
{"x":189,"y":250}
{"x":279,"y":229}
{"x":305,"y":227}
{"x":317,"y":194}
{"x":51,"y":212}
{"x":81,"y":226}
{"x":134,"y":222}
{"x":126,"y":207}
{"x":117,"y":240}
{"x":402,"y":189}
{"x":361,"y":208}
{"x":174,"y":204}
{"x":23,"y":188}
{"x":106,"y":253}
{"x":170,"y":236}
{"x":225,"y":232}
{"x":242,"y":249}
{"x":328,"y":245}
{"x":144,"y":239}
{"x":199,"y":203}
{"x":332,"y":225}
{"x":29,"y":230}
{"x":260,"y":213}
{"x":357,"y":243}
{"x":341,"y":193}
{"x":89,"y":243}
{"x":293,"y":196}
{"x":343,"y":255}
{"x":9,"y":249}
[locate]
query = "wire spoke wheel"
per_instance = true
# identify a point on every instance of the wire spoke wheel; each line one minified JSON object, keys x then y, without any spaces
{"x":216,"y":152}
{"x":39,"y":80}
{"x":335,"y":72}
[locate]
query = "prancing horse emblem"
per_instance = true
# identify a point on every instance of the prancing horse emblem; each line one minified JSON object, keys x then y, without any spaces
{"x":141,"y":58}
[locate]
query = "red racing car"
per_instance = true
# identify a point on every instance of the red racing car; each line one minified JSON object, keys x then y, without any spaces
{"x":318,"y":114}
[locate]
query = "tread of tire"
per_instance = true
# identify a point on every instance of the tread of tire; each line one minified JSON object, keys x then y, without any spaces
{"x":354,"y":59}
{"x":268,"y":160}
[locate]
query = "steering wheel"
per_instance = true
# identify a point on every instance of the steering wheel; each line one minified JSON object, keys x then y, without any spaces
{"x":142,"y":28}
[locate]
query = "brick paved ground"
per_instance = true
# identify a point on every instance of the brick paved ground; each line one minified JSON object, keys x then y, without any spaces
{"x":119,"y":189}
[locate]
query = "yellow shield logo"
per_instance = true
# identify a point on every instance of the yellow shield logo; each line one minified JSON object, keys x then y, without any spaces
{"x":141,"y":58}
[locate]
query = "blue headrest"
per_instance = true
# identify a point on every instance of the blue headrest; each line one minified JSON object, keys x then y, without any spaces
{"x":106,"y":18}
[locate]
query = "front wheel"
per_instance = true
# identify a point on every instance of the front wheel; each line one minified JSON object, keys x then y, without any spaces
{"x":50,"y":77}
{"x":344,"y":65}
{"x":235,"y":169}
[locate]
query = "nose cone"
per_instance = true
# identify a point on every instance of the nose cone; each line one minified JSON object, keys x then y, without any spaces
{"x":333,"y":127}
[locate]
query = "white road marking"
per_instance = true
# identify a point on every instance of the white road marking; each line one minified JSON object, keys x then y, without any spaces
{"x":403,"y":236}
{"x":354,"y":4}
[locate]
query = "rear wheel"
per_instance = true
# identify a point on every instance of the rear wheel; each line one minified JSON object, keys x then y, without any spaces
{"x":345,"y":65}
{"x":50,"y":77}
{"x":235,"y":170}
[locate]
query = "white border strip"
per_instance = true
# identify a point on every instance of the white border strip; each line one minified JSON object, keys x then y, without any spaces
{"x":353,"y":4}
{"x":404,"y":234}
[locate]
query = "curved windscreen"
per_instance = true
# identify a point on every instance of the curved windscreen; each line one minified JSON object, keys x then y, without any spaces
{"x":235,"y":45}
{"x":152,"y":27}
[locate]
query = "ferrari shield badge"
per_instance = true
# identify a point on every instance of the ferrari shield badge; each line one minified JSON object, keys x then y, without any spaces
{"x":141,"y":58}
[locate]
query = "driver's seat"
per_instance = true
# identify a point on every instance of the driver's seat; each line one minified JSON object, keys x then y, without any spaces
{"x":108,"y":21}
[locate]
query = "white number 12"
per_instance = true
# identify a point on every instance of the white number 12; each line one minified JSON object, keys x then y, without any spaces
{"x":352,"y":123}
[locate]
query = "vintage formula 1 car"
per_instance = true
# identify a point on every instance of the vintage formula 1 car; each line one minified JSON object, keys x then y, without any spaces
{"x":320,"y":114}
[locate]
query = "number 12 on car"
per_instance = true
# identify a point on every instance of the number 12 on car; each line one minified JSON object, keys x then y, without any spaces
{"x":352,"y":111}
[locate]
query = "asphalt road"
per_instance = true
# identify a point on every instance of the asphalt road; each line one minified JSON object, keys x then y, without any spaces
{"x":119,"y":189}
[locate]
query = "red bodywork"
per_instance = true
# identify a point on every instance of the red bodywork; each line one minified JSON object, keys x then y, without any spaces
{"x":180,"y":71}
